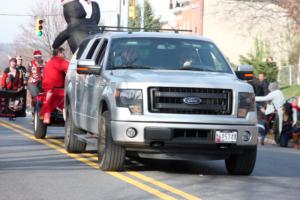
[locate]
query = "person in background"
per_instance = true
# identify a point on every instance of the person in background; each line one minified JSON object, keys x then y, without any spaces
{"x":277,"y":99}
{"x":34,"y":74}
{"x":296,"y":128}
{"x":262,"y":126}
{"x":12,"y":78}
{"x":35,"y":71}
{"x":21,"y":69}
{"x":261,"y":85}
{"x":287,"y":125}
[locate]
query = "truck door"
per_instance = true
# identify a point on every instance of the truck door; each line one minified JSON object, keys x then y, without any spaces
{"x":79,"y":85}
{"x":83,"y":92}
{"x":95,"y":85}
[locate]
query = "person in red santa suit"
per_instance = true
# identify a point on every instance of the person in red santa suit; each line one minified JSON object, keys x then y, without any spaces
{"x":54,"y":77}
{"x":34,"y":74}
{"x":12,"y":78}
{"x":35,"y":71}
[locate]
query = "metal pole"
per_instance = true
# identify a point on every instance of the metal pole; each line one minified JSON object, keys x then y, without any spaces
{"x":119,"y":13}
{"x":298,"y":78}
{"x":126,"y":12}
{"x":290,"y":77}
{"x":143,"y":14}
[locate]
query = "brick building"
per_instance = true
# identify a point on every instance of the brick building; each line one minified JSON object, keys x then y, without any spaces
{"x":188,"y":14}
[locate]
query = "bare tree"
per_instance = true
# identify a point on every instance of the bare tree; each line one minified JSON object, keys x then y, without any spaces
{"x":269,"y":16}
{"x":269,"y":10}
{"x":51,"y":13}
{"x":6,"y":50}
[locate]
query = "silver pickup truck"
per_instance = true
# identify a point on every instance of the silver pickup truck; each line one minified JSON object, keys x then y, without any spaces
{"x":159,"y":95}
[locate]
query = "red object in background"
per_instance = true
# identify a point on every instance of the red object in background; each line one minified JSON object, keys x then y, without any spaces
{"x":35,"y":72}
{"x":37,"y":53}
{"x":51,"y":100}
{"x":54,"y":73}
{"x":9,"y":82}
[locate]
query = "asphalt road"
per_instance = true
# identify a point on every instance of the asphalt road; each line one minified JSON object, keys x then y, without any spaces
{"x":33,"y":169}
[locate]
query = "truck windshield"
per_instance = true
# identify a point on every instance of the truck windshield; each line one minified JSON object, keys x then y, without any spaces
{"x":166,"y":53}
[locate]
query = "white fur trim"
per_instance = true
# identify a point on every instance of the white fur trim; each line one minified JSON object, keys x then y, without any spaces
{"x":63,"y":2}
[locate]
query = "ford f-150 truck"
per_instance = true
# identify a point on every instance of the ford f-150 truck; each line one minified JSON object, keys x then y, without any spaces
{"x":159,"y":95}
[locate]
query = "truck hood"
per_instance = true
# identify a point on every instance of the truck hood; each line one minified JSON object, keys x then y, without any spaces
{"x":181,"y":78}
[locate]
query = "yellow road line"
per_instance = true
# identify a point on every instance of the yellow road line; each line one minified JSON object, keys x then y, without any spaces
{"x":163,"y":185}
{"x":45,"y":142}
{"x":58,"y":142}
{"x":132,"y":173}
{"x":118,"y":175}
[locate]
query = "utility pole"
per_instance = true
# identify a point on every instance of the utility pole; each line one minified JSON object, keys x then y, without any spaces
{"x":126,"y":12}
{"x":143,"y":14}
{"x":290,"y":75}
{"x":119,"y":13}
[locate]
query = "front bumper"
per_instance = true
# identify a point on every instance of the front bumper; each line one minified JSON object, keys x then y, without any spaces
{"x":166,"y":134}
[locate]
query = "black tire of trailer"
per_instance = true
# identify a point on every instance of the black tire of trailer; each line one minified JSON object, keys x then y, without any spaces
{"x":242,"y":164}
{"x":72,"y":144}
{"x":111,"y":156}
{"x":39,"y":128}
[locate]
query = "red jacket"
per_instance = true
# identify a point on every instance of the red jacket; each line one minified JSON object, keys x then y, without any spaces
{"x":54,"y":73}
{"x":35,"y":72}
{"x":10,"y":82}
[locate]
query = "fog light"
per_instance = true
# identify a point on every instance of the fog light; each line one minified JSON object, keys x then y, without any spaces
{"x":131,"y":132}
{"x":246,"y":137}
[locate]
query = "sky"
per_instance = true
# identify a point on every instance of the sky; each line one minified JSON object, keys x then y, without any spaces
{"x":9,"y":24}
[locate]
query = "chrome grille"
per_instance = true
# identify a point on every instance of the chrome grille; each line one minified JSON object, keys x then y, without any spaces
{"x":171,"y":100}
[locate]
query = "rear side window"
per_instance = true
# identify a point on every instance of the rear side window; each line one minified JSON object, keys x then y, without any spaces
{"x":101,"y":53}
{"x":93,"y":48}
{"x":82,"y":47}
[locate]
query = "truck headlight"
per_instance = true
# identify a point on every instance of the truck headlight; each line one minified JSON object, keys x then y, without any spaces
{"x":130,"y":98}
{"x":246,"y":104}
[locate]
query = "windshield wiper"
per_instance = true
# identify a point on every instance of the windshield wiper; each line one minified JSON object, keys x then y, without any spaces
{"x":130,"y":67}
{"x":196,"y":69}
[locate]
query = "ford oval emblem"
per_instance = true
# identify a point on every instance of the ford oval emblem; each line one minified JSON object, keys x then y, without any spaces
{"x":192,"y":100}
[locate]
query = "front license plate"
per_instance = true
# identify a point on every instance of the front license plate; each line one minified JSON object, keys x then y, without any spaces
{"x":226,"y":137}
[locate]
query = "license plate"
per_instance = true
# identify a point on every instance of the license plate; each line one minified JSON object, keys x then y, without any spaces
{"x":225,"y":137}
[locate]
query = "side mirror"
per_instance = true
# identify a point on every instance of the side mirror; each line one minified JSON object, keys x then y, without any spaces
{"x":244,"y":72}
{"x":87,"y":67}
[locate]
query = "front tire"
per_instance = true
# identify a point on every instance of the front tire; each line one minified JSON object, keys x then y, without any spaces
{"x":242,"y":164}
{"x":72,"y":144}
{"x":39,"y":128}
{"x":111,"y":156}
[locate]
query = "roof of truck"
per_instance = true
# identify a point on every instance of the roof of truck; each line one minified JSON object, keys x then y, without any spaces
{"x":153,"y":35}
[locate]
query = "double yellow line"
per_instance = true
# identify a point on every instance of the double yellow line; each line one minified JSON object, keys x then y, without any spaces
{"x":134,"y":178}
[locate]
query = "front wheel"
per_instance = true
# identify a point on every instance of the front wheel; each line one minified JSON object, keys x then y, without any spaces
{"x":242,"y":164}
{"x":72,"y":144}
{"x":39,"y":128}
{"x":111,"y":156}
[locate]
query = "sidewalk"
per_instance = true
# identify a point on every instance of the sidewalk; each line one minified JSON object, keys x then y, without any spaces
{"x":269,"y":139}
